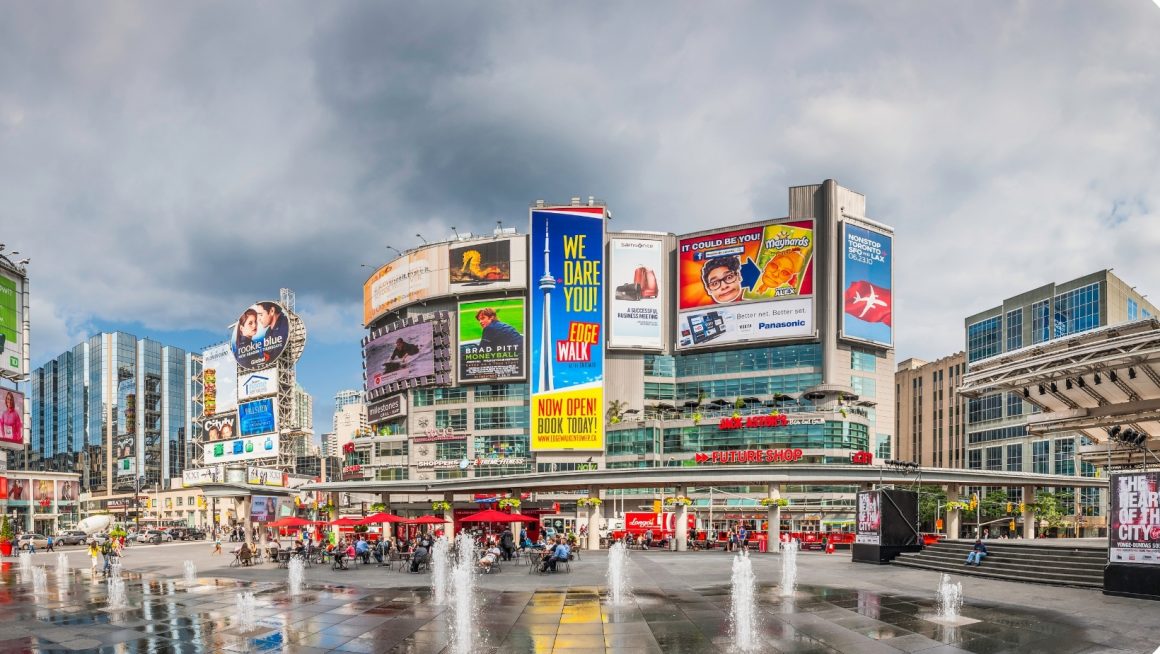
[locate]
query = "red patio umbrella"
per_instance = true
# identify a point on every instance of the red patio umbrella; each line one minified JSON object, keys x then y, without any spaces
{"x":378,"y":518}
{"x":426,"y":520}
{"x":345,"y":522}
{"x":291,"y":521}
{"x":491,"y":515}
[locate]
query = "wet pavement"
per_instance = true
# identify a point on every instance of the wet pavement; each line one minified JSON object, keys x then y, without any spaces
{"x":674,"y":610}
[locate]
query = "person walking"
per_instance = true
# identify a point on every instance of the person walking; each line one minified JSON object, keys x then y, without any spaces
{"x":217,"y":544}
{"x":94,"y":553}
{"x":48,"y":547}
{"x":507,"y":545}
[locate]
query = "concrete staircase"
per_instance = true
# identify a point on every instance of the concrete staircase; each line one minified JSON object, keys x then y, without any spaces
{"x":1038,"y":564}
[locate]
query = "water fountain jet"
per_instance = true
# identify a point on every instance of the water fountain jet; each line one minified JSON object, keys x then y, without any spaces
{"x":190,"y":573}
{"x":463,"y":597}
{"x":440,"y":569}
{"x":39,"y":581}
{"x":296,"y":574}
{"x":743,"y":609}
{"x":246,"y":606}
{"x":789,"y":552}
{"x":619,"y":586}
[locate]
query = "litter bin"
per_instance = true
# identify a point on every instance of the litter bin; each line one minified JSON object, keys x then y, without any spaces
{"x":761,"y":545}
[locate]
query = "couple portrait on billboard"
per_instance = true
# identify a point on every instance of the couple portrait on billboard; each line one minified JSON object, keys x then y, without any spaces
{"x":260,"y":334}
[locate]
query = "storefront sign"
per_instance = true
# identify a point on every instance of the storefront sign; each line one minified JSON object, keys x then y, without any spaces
{"x":354,"y":472}
{"x":727,"y":424}
{"x":861,"y":458}
{"x":501,"y":462}
{"x":436,"y":434}
{"x":386,"y":409}
{"x":442,"y":463}
{"x":749,"y":456}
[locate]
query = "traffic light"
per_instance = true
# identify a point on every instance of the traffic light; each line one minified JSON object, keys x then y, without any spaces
{"x":1011,"y":525}
{"x":656,"y":506}
{"x":1009,"y":507}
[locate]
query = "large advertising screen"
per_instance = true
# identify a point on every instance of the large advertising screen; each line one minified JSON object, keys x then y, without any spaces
{"x":747,"y":284}
{"x":487,"y":265}
{"x":869,"y":518}
{"x":220,"y":375}
{"x":491,"y":340}
{"x":263,"y":508}
{"x":1134,"y":536}
{"x":242,"y":449}
{"x":12,"y":420}
{"x":221,"y":427}
{"x":867,"y":283}
{"x":12,"y":291}
{"x":412,"y":277}
{"x":257,"y":417}
{"x":260,"y":335}
{"x":401,"y":355}
{"x":257,"y":383}
{"x":567,"y":329}
{"x":637,"y":305}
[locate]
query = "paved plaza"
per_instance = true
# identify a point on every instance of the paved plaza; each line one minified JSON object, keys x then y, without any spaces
{"x":681,"y":604}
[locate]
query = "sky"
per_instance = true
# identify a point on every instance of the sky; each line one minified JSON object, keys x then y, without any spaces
{"x":166,"y":164}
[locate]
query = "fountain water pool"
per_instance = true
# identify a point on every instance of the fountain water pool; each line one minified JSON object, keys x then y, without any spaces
{"x":39,"y":581}
{"x":619,"y":586}
{"x":440,"y":569}
{"x":190,"y":573}
{"x":789,"y":553}
{"x":247,"y":616}
{"x":463,"y":596}
{"x":296,"y":575}
{"x":743,"y":609}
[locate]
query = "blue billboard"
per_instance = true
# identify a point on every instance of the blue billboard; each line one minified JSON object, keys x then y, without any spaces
{"x":566,"y":327}
{"x":867,"y":285}
{"x":256,"y":417}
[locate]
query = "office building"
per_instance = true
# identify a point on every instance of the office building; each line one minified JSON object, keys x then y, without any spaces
{"x":930,"y":424}
{"x":350,"y":418}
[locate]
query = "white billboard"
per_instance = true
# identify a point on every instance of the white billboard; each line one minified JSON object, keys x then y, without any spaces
{"x":759,"y":321}
{"x":257,"y":384}
{"x":220,"y":376}
{"x":200,"y":476}
{"x":637,"y":303}
{"x":12,"y":290}
{"x":265,"y":476}
{"x":242,"y":449}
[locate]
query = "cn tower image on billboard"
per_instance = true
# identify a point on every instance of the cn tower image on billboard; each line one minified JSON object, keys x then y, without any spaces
{"x":547,"y":284}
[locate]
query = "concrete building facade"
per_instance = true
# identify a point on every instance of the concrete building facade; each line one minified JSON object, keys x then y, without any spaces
{"x":930,"y":416}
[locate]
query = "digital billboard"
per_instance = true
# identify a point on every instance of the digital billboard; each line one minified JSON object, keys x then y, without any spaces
{"x":257,"y":383}
{"x":12,"y":420}
{"x":869,"y":518}
{"x":242,"y":449}
{"x":401,"y":355}
{"x":746,"y":284}
{"x":220,"y":380}
{"x":12,"y":289}
{"x":867,"y":283}
{"x":263,"y":508}
{"x":567,"y":328}
{"x":221,"y":427}
{"x":637,"y":305}
{"x":1134,"y":514}
{"x":491,"y":340}
{"x":260,"y":335}
{"x":257,"y":417}
{"x":412,"y":277}
{"x":486,"y":263}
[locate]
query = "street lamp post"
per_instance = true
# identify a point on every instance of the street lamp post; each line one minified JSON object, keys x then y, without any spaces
{"x":137,"y":501}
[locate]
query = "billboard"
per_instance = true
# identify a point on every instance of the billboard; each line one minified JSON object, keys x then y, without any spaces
{"x":126,"y":467}
{"x":265,"y":476}
{"x":401,"y":355}
{"x":869,"y":518}
{"x":199,"y":476}
{"x":12,"y":420}
{"x":242,"y":449}
{"x":263,"y":508}
{"x":412,"y":277}
{"x":220,"y":376}
{"x":487,"y":265}
{"x":746,"y":284}
{"x":384,"y":410}
{"x":43,"y":491}
{"x":257,"y":417}
{"x":867,"y":283}
{"x":12,"y":290}
{"x":491,"y":340}
{"x":68,"y":491}
{"x":1134,"y":534}
{"x":257,"y":383}
{"x":567,"y":329}
{"x":260,"y":335}
{"x":220,"y":428}
{"x":637,"y":306}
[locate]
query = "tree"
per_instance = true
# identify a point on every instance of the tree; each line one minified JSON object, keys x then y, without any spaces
{"x":1049,"y":507}
{"x":615,"y":410}
{"x":928,"y":507}
{"x":994,"y":505}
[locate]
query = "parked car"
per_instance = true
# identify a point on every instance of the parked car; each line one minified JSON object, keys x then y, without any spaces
{"x":195,"y":534}
{"x":25,"y":540}
{"x":177,"y":533}
{"x":72,"y":538}
{"x":154,"y":536}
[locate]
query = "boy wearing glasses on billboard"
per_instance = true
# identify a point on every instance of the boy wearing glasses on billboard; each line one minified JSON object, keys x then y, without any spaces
{"x":722,"y":279}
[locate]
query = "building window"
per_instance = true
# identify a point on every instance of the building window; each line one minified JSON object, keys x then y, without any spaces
{"x":864,"y":387}
{"x":659,"y":365}
{"x":1040,"y":325}
{"x":1015,"y":458}
{"x":501,"y":417}
{"x":455,"y":419}
{"x":1015,"y":329}
{"x":391,"y":474}
{"x":659,"y":391}
{"x":864,"y":361}
{"x":396,"y":448}
{"x":632,"y":441}
{"x":451,"y":450}
{"x":501,"y":392}
{"x":501,"y":446}
{"x":561,"y":466}
{"x":179,"y":499}
{"x":1041,"y":457}
{"x":984,"y":339}
{"x":1014,"y":405}
{"x":985,"y":409}
{"x":1065,"y":456}
{"x":750,"y":360}
{"x":882,"y":448}
{"x":975,"y":459}
{"x":1077,"y":311}
{"x":1133,"y":309}
{"x":748,"y":386}
{"x":995,"y":458}
{"x":433,"y":396}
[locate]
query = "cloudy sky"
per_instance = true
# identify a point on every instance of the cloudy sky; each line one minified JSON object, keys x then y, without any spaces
{"x":165,"y":164}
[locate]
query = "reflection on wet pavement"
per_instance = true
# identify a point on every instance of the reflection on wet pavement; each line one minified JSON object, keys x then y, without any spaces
{"x":167,"y":616}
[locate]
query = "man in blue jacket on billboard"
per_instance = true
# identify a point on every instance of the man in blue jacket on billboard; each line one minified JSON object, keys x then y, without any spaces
{"x":495,"y":333}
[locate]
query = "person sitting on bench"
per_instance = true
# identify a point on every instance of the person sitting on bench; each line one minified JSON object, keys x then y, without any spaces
{"x":560,"y":552}
{"x":490,"y":557}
